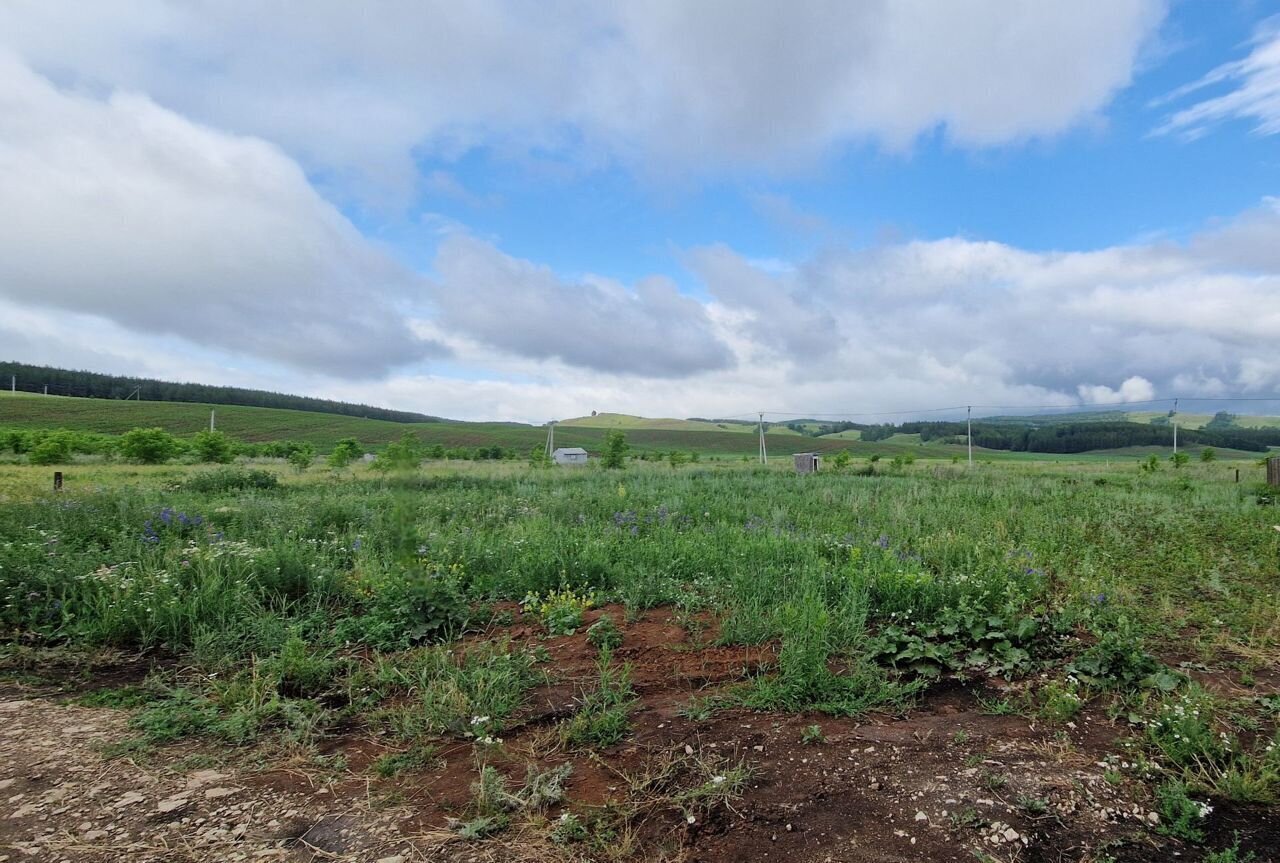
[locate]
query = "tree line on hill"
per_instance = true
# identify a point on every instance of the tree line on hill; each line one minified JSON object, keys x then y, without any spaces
{"x":1063,"y":437}
{"x":64,"y":382}
{"x":1080,"y":437}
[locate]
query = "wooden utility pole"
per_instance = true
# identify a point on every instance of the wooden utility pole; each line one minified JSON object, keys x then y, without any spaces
{"x":764,"y":452}
{"x":968,"y":418}
{"x":1273,"y":472}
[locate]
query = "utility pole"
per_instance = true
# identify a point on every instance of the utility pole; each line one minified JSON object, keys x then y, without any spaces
{"x":551,"y":437}
{"x":968,"y":419}
{"x":46,"y":389}
{"x":13,"y":383}
{"x":1173,"y":415}
{"x":211,"y":413}
{"x":764,"y":452}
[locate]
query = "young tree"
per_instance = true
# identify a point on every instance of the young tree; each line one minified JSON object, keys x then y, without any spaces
{"x":213,"y":447}
{"x":302,"y":456}
{"x":1208,"y":454}
{"x":841,"y":460}
{"x":1179,"y":459}
{"x":404,"y":454}
{"x":538,"y":458}
{"x":345,"y":452}
{"x":615,"y":450}
{"x":148,"y":446}
{"x":676,"y":458}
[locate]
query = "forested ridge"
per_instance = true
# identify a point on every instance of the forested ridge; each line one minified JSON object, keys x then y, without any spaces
{"x":66,"y":382}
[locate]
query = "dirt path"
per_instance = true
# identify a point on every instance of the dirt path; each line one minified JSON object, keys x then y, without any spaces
{"x":61,"y":801}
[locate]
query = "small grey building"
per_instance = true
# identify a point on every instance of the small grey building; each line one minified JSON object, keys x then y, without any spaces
{"x":808,"y":462}
{"x":569,"y":455}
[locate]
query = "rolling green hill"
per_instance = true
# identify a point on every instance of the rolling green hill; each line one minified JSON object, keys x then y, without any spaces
{"x":627,"y":422}
{"x":254,"y":424}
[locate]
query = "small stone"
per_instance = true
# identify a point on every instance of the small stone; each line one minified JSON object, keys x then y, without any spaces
{"x":395,"y":858}
{"x":1011,"y":835}
{"x":1153,"y":817}
{"x":921,"y":816}
{"x":220,"y":791}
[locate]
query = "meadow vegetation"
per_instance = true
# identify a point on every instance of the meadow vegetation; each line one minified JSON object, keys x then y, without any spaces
{"x":290,"y":603}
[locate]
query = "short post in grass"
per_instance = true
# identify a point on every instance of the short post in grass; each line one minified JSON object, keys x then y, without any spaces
{"x":1273,"y":472}
{"x":57,"y":480}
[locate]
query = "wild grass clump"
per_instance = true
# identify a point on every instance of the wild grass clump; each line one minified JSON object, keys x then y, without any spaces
{"x":602,"y":717}
{"x":805,"y":679}
{"x":469,"y":694}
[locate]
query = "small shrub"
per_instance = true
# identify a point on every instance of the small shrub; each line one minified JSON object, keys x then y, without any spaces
{"x":411,"y":607}
{"x":148,"y":445}
{"x":1180,"y":816}
{"x":568,"y":829}
{"x":213,"y":446}
{"x":812,"y":734}
{"x":604,"y":634}
{"x":1060,"y":701}
{"x":560,"y":611}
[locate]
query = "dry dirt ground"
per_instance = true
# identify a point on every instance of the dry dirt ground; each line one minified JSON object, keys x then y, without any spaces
{"x":948,"y":782}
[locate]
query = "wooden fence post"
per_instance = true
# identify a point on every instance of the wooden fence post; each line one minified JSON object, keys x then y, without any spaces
{"x":1273,"y":472}
{"x":57,"y":480}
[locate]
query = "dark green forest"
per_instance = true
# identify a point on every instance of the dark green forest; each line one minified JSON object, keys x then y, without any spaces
{"x":65,"y":382}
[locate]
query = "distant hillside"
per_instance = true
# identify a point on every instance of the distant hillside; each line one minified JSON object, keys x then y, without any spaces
{"x":627,"y":422}
{"x":63,"y":382}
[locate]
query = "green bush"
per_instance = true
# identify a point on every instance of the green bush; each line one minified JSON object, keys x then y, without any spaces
{"x":213,"y":447}
{"x":148,"y":445}
{"x":227,"y":479}
{"x":413,"y":606}
{"x":604,"y":634}
{"x":53,"y":449}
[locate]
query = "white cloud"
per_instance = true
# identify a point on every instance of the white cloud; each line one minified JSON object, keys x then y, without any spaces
{"x":904,"y":326}
{"x":361,"y":90}
{"x":120,"y":209}
{"x":1252,"y":90}
{"x":1135,"y":389}
{"x":527,"y":310}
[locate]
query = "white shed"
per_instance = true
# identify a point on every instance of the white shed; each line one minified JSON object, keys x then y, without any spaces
{"x":569,"y":455}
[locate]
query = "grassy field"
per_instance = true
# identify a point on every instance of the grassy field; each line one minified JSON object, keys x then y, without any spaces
{"x":577,"y":660}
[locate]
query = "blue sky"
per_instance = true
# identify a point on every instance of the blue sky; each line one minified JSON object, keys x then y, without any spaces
{"x":482,"y":212}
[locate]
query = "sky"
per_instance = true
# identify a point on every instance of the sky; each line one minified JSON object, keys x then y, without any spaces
{"x":513,"y":211}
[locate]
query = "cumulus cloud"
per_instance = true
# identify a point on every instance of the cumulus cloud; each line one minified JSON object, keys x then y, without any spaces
{"x":1135,"y":389}
{"x":526,"y":309}
{"x":361,"y":90}
{"x":1252,"y":90}
{"x":965,"y":318}
{"x":121,"y":209}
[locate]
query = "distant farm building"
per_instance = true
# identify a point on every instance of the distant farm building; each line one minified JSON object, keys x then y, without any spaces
{"x":569,"y":455}
{"x":808,"y":462}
